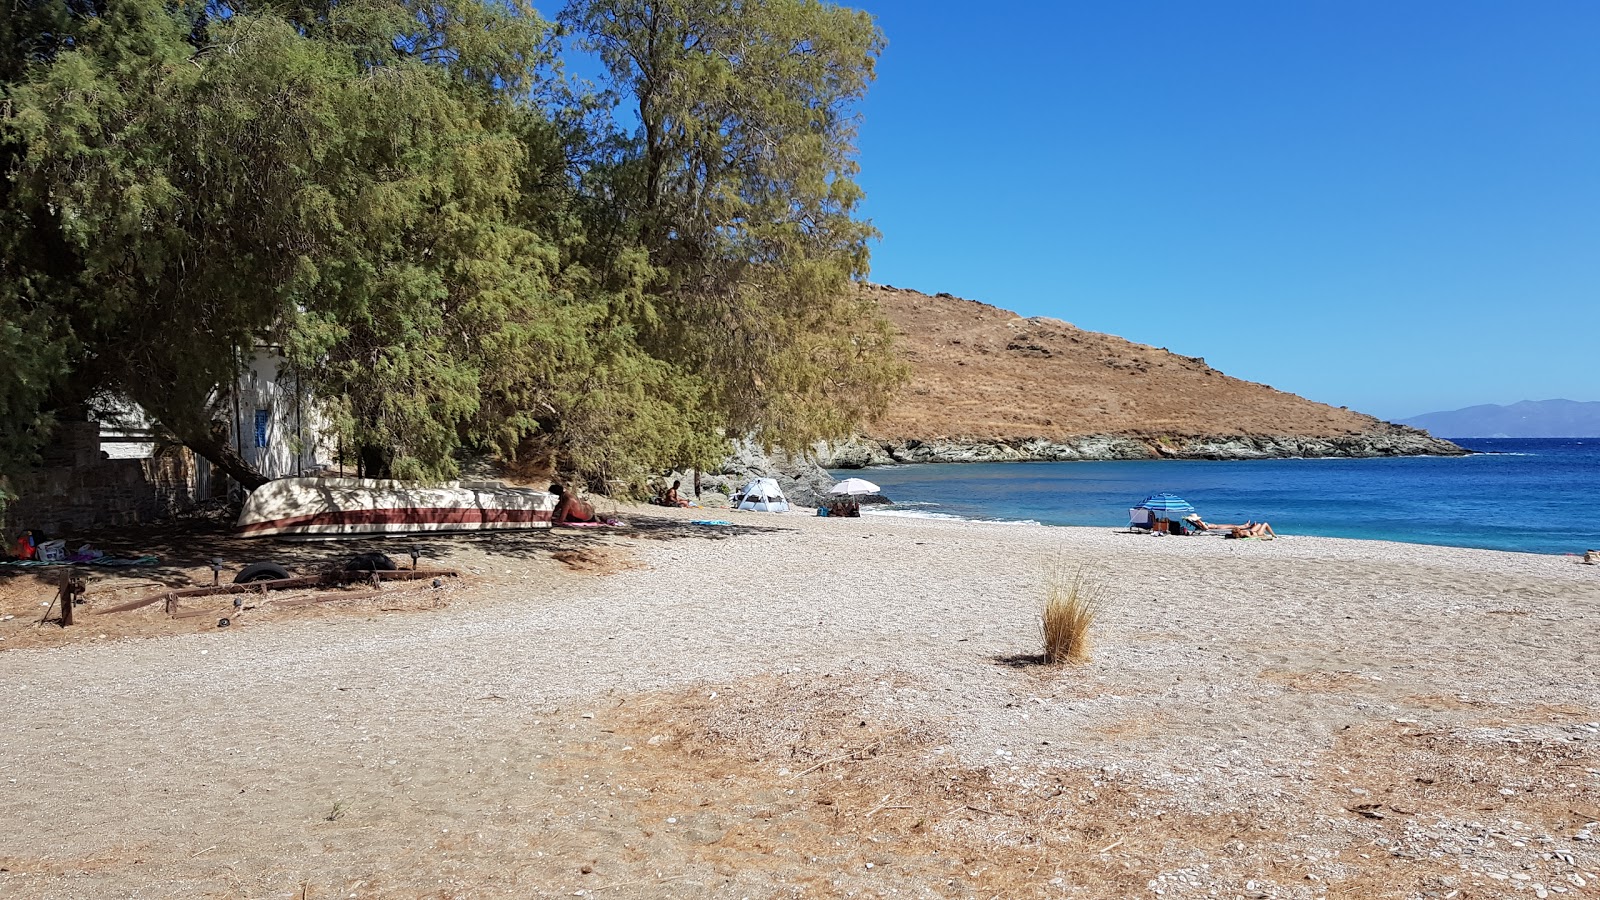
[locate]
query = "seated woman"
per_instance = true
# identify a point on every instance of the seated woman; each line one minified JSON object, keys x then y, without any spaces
{"x":570,"y":507}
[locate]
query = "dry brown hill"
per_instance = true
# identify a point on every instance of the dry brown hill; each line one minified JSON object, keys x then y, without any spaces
{"x":983,"y":373}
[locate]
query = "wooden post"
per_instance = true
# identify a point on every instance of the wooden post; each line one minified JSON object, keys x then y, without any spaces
{"x":65,"y":596}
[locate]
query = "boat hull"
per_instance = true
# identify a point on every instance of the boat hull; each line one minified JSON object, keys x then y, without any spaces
{"x":353,"y":506}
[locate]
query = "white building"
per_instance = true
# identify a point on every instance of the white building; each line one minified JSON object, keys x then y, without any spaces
{"x":274,"y":424}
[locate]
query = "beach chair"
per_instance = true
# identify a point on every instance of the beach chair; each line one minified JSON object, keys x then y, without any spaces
{"x":1141,"y":519}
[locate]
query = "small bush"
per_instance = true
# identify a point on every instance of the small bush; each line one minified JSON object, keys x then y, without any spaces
{"x":1072,"y":601}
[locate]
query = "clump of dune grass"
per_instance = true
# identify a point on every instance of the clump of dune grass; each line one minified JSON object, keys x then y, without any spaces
{"x":1073,"y":599}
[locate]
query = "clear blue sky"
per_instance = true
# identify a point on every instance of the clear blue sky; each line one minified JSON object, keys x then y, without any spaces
{"x":1390,"y":206}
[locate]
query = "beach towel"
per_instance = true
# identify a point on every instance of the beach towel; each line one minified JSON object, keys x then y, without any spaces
{"x":710,"y":522}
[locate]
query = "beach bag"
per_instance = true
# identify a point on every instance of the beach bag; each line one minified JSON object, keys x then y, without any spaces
{"x":52,"y":551}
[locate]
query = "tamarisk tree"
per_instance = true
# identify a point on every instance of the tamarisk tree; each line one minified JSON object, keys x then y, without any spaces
{"x":454,"y":247}
{"x":737,"y":186}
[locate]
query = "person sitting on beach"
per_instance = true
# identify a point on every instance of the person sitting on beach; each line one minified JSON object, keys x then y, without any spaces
{"x":570,"y":507}
{"x":845,"y":507}
{"x":672,"y":497}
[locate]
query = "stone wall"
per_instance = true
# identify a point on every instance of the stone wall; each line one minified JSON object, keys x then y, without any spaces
{"x":93,"y":492}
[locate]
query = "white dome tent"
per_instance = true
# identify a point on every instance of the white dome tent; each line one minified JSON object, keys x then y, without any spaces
{"x":762,"y":495}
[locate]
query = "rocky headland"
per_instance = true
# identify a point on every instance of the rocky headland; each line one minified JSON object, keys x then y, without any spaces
{"x":988,"y":385}
{"x":1397,"y":441}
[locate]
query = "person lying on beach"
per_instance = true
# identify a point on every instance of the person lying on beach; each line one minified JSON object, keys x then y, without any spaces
{"x":570,"y":507}
{"x":1260,"y":530}
{"x":1203,"y":525}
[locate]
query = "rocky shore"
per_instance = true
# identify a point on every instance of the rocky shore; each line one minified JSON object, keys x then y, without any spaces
{"x":1395,"y":441}
{"x":805,"y":481}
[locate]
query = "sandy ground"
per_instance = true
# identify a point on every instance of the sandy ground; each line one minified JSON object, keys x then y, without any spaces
{"x":824,"y":707}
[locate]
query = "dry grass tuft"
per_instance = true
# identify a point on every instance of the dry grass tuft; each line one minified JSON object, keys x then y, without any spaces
{"x":1073,"y":599}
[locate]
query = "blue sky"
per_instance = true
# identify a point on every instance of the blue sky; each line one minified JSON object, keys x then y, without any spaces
{"x":1390,"y":206}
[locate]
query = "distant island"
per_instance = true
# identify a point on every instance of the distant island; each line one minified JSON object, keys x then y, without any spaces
{"x":1527,"y":419}
{"x":988,"y":385}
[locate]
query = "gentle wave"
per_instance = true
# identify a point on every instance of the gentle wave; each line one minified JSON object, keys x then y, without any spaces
{"x":914,"y":514}
{"x":918,"y":514}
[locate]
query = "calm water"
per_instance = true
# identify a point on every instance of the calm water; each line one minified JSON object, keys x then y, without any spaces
{"x":1537,"y":496}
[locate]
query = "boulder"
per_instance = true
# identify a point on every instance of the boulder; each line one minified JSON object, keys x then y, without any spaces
{"x":803,"y":481}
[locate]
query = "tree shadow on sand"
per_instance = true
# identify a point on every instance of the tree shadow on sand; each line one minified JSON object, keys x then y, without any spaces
{"x":185,"y":545}
{"x":1021,"y":660}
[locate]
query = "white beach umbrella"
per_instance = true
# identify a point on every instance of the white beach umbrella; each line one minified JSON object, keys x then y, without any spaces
{"x":854,"y":486}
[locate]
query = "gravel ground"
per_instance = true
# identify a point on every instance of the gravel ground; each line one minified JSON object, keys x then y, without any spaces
{"x":1392,"y":719}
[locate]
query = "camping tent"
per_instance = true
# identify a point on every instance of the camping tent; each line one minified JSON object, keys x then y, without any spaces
{"x":763,"y":495}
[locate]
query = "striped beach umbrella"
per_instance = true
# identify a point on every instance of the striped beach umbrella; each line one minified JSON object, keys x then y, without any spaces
{"x":1167,"y":506}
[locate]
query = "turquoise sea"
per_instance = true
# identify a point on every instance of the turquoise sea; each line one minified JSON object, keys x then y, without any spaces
{"x":1534,"y":496}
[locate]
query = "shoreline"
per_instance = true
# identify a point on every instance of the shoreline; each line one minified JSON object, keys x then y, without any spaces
{"x":1389,"y":442}
{"x":766,"y":708}
{"x":1505,"y":500}
{"x":890,"y":513}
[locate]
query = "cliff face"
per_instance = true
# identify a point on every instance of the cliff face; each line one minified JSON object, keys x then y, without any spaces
{"x":989,"y":385}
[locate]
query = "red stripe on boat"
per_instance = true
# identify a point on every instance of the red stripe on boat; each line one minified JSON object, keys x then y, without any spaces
{"x":410,"y":515}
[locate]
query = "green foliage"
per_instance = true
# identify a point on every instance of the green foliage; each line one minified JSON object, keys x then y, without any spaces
{"x":452,"y":245}
{"x":738,"y":186}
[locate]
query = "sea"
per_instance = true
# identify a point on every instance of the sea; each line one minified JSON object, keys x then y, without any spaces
{"x":1523,"y":495}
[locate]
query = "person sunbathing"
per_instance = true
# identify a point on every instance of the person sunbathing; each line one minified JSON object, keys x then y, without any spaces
{"x":570,"y":507}
{"x":1203,"y":525}
{"x":672,"y":497}
{"x":1260,"y":530}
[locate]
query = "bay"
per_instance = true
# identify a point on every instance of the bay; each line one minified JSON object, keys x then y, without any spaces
{"x":1534,"y":496}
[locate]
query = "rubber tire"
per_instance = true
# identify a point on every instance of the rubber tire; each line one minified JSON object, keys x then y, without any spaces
{"x":370,"y":562}
{"x":261,"y":571}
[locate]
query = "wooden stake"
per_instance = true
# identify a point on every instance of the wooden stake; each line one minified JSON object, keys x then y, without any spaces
{"x":66,"y":598}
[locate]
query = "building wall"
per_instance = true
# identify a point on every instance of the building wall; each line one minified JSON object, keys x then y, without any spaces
{"x":276,"y":428}
{"x":79,"y":489}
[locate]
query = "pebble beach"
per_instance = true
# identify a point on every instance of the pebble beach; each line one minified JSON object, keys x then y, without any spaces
{"x":798,"y":706}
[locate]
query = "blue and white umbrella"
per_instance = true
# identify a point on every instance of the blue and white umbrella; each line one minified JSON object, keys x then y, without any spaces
{"x":1167,"y":506}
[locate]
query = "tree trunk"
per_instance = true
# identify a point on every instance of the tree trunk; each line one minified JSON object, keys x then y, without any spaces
{"x":213,"y":446}
{"x":202,"y":425}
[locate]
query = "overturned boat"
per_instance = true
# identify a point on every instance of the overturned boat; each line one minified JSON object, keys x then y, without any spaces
{"x":341,"y":506}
